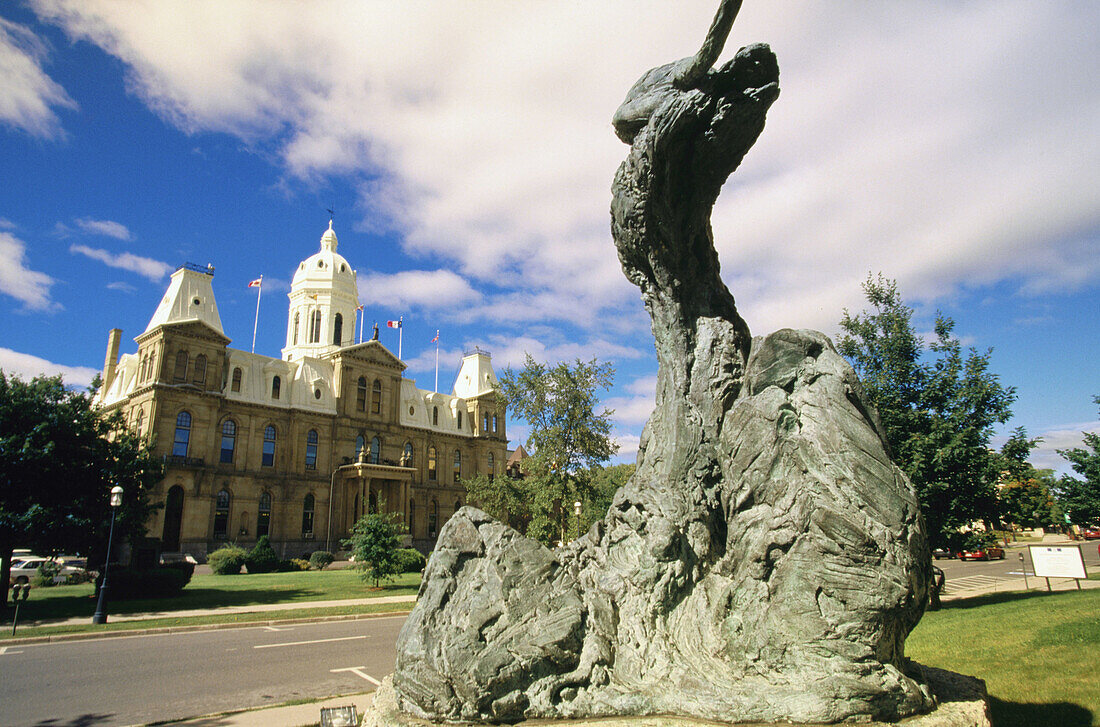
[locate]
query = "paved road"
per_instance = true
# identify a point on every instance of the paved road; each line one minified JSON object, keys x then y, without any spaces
{"x":1007,"y":574}
{"x":140,"y":679}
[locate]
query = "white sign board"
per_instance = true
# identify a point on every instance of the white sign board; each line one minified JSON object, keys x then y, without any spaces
{"x":1058,"y":561}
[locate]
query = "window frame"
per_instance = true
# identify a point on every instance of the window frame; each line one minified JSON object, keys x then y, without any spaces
{"x":312,"y":440}
{"x":267,"y":452}
{"x":228,"y":435}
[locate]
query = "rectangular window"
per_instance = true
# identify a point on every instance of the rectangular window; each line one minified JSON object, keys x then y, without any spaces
{"x":268,"y":455}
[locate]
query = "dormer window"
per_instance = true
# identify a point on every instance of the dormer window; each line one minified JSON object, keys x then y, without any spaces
{"x":236,"y":384}
{"x":276,"y":386}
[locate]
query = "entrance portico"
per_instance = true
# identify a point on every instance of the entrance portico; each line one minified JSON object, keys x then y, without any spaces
{"x":364,"y":487}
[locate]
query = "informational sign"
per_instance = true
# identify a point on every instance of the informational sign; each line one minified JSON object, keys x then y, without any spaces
{"x":1058,"y":561}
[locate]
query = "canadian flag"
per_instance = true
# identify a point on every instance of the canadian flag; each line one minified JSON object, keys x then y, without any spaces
{"x":256,"y":283}
{"x":436,"y":337}
{"x":393,"y":324}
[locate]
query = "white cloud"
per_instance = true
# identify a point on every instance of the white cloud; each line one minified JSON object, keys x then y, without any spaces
{"x":121,"y":287}
{"x":147,"y":267}
{"x":426,"y":289}
{"x":20,"y":282}
{"x":28,"y":95}
{"x":27,"y":367}
{"x":6,"y":224}
{"x":1065,"y":436}
{"x":628,"y":448}
{"x":946,"y":145}
{"x":109,"y":228}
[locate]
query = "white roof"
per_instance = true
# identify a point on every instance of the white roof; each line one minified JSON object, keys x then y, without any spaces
{"x":189,"y":298}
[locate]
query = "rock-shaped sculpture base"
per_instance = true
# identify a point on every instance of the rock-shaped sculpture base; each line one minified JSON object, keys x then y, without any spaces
{"x":765,"y":562}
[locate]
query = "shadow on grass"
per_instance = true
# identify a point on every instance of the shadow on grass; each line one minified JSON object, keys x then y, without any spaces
{"x":1056,"y":714}
{"x":84,"y":720}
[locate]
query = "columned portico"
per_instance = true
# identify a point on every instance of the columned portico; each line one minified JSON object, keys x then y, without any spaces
{"x":363,"y":487}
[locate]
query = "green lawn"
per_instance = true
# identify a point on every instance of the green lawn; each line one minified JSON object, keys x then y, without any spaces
{"x":210,"y":591}
{"x":1037,"y":652}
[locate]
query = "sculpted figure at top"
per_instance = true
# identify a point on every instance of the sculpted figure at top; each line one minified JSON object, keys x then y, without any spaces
{"x":767,"y":559}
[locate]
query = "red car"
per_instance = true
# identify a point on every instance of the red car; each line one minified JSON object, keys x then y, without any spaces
{"x":989,"y":553}
{"x":1090,"y":533}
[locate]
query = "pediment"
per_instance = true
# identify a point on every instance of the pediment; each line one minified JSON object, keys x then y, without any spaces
{"x":191,"y":329}
{"x":371,"y":352}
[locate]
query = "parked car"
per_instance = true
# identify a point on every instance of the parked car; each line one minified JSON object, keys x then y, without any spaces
{"x":1091,"y":533}
{"x":988,"y":552}
{"x":942,"y":553}
{"x":25,"y":567}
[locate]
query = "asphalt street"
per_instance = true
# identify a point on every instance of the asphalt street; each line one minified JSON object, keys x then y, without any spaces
{"x":962,"y":575}
{"x":142,"y":679}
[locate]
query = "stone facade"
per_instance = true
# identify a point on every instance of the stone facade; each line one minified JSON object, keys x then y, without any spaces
{"x":297,"y":447}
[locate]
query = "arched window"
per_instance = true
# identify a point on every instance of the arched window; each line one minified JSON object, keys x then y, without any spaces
{"x":376,"y":397}
{"x":375,"y":450}
{"x":460,"y":420}
{"x":139,"y":421}
{"x":152,"y":372}
{"x":180,"y":373}
{"x":236,"y":384}
{"x":495,"y":423}
{"x":433,"y":518}
{"x":407,"y":455}
{"x":200,"y":370}
{"x":263,"y":515}
{"x":361,"y":394}
{"x":337,"y":329}
{"x":485,"y":423}
{"x":360,"y":443}
{"x":308,"y":505}
{"x":458,"y":466}
{"x":229,"y":441}
{"x":431,"y":464}
{"x":435,"y":416}
{"x":489,"y":462}
{"x":144,"y":365}
{"x":311,"y":449}
{"x":276,"y":386}
{"x":268,"y":459}
{"x":183,"y":434}
{"x":221,"y":513}
{"x":315,"y":327}
{"x":297,"y":321}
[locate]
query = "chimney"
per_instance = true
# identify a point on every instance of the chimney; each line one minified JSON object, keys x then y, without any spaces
{"x":111,"y":362}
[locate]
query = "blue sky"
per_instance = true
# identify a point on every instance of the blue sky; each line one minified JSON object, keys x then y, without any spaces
{"x":468,"y":153}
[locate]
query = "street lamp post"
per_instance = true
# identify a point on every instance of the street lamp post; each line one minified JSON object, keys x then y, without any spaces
{"x":100,"y":615}
{"x":577,"y":515}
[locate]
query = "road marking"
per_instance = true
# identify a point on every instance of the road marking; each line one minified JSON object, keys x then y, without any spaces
{"x":4,"y":650}
{"x":314,"y":641}
{"x":357,"y":671}
{"x":272,"y":628}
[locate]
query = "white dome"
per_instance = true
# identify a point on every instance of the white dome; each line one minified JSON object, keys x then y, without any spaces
{"x":325,"y":269}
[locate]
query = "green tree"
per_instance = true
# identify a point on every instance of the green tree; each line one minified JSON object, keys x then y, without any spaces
{"x":937,"y":405}
{"x":59,"y":457}
{"x":568,"y":437}
{"x":505,"y":498}
{"x":1024,"y":493}
{"x":605,"y":482}
{"x":1080,"y":498}
{"x":374,"y":542}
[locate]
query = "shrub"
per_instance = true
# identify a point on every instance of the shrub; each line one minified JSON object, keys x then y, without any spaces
{"x":410,"y":560}
{"x":262,"y":558}
{"x":47,"y":574}
{"x":227,"y":560}
{"x":321,"y":559}
{"x":294,"y":564}
{"x":162,"y":582}
{"x":187,"y":569}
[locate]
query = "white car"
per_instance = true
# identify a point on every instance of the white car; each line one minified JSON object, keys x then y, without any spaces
{"x":25,"y":567}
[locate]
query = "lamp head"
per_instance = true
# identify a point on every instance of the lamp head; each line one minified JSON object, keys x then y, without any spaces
{"x":116,"y":496}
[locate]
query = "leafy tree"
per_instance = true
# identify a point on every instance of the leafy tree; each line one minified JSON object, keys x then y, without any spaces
{"x":1080,"y":498}
{"x":321,"y":559}
{"x":262,"y":558}
{"x":605,"y":481}
{"x":374,"y":542}
{"x":1024,"y":496}
{"x":567,"y":439}
{"x":937,"y":405}
{"x":505,"y":498}
{"x":59,"y":458}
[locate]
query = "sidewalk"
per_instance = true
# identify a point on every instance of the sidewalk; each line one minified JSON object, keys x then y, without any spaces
{"x":295,"y":715}
{"x":980,"y":585}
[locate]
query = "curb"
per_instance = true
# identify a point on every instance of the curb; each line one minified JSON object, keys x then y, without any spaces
{"x":84,"y":636}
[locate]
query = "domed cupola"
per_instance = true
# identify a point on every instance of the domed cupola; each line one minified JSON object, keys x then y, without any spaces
{"x":323,"y":302}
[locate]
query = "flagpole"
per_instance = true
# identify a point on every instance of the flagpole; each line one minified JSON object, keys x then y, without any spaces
{"x":400,"y":334}
{"x":256,"y":323}
{"x":361,"y":317}
{"x":437,"y":362}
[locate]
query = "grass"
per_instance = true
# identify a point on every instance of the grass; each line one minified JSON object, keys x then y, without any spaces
{"x":210,"y":591}
{"x":1036,"y":652}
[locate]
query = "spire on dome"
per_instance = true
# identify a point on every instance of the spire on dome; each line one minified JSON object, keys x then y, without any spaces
{"x":328,"y":240}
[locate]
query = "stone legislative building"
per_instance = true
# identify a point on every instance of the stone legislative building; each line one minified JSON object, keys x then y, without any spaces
{"x":296,"y":448}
